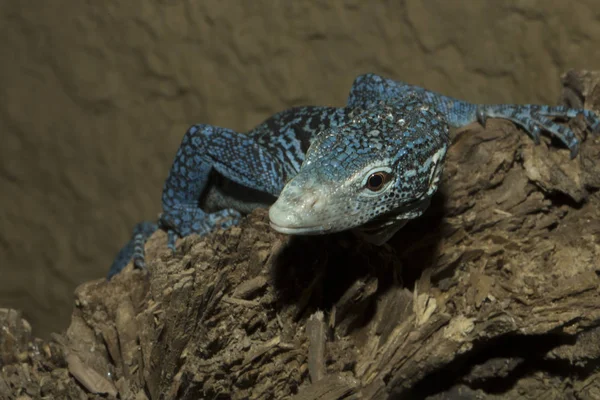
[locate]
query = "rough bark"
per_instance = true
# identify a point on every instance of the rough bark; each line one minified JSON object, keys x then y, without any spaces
{"x":493,"y":294}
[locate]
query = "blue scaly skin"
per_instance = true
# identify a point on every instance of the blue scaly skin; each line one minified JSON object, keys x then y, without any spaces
{"x":133,"y":249}
{"x":368,"y":167}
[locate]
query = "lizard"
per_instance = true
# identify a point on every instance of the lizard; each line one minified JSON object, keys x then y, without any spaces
{"x":369,"y":166}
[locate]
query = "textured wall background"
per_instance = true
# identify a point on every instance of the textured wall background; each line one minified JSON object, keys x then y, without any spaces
{"x":95,"y":97}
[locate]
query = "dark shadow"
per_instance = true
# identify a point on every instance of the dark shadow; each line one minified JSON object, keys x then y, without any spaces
{"x":314,"y":272}
{"x":560,"y":199}
{"x":417,"y":244}
{"x":496,"y":365}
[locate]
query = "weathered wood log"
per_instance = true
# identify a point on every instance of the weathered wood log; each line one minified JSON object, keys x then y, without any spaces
{"x":493,"y":294}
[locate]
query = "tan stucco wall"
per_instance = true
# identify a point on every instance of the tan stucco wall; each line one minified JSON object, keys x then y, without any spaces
{"x":94,"y":99}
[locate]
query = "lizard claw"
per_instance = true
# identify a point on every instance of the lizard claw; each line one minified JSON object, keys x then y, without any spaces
{"x":535,"y":134}
{"x":574,"y":148}
{"x":481,"y":116}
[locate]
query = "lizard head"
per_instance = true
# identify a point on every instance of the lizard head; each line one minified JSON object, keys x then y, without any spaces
{"x":371,"y":174}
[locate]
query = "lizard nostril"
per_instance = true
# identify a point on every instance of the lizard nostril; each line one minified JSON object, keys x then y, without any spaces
{"x":309,"y":201}
{"x":312,"y":201}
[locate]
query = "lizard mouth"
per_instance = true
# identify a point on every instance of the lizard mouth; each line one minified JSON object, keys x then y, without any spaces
{"x":300,"y":230}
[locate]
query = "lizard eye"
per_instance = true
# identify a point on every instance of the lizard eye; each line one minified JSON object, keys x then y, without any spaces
{"x":377,"y":181}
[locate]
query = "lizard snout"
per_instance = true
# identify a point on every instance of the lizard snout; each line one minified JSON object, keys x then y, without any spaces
{"x":298,"y":211}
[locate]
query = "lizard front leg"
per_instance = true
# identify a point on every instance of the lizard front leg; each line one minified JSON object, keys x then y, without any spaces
{"x":204,"y":148}
{"x":233,"y":155}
